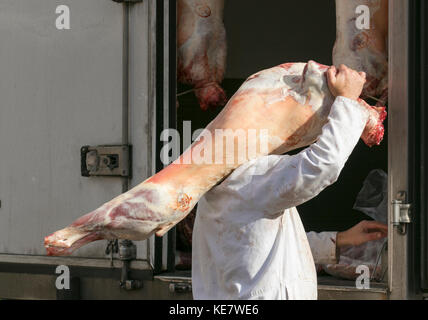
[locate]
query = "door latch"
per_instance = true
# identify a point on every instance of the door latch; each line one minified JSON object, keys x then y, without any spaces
{"x":106,"y":161}
{"x":401,"y":212}
{"x":180,"y":287}
{"x":177,"y":284}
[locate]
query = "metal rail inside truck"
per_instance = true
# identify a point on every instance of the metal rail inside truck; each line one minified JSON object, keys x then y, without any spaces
{"x":108,"y":84}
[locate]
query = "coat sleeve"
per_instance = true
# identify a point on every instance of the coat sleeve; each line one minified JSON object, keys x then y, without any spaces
{"x":274,"y":183}
{"x":323,"y":247}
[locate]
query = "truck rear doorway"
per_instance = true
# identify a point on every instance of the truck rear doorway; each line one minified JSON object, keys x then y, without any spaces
{"x":287,"y":32}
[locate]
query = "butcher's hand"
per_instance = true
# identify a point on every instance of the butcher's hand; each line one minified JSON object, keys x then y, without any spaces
{"x":345,"y":82}
{"x":363,"y":232}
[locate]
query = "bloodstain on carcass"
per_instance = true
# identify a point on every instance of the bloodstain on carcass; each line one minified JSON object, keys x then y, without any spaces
{"x":286,"y":66}
{"x":183,"y":202}
{"x":360,"y":41}
{"x":202,"y":49}
{"x":371,"y":137}
{"x":291,"y":112}
{"x":203,"y":10}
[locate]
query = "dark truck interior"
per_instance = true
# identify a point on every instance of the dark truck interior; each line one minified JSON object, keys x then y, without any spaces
{"x":302,"y":31}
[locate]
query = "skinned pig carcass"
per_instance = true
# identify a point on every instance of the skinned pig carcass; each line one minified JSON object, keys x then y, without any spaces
{"x":275,"y":111}
{"x":202,"y":49}
{"x":364,"y":49}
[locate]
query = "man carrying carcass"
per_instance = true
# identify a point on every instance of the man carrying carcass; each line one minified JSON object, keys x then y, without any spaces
{"x":249,"y":242}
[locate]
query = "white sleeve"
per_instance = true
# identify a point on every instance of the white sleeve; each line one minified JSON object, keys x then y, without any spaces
{"x":274,"y":183}
{"x":323,"y":247}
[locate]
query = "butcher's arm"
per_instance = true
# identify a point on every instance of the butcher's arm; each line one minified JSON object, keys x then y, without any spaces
{"x":275,"y":183}
{"x":324,"y":247}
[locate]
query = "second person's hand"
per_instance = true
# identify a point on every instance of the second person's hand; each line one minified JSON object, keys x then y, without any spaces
{"x":363,"y":232}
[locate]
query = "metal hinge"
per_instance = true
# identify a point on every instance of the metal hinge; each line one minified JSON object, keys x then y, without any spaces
{"x":401,"y":212}
{"x":106,"y":161}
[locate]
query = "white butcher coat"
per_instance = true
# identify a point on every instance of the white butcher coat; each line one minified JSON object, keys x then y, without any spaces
{"x":248,"y":239}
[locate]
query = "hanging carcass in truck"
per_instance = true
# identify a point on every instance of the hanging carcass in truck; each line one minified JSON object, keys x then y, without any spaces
{"x":275,"y":111}
{"x":202,"y":49}
{"x":362,"y":43}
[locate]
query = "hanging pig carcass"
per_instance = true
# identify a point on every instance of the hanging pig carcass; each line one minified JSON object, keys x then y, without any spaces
{"x":362,"y":43}
{"x":202,"y":49}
